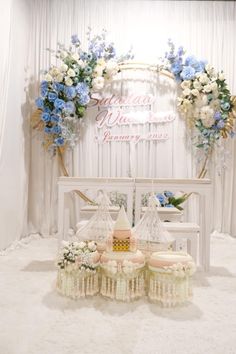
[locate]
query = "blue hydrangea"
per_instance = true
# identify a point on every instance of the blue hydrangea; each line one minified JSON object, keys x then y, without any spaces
{"x":48,"y":130}
{"x":46,"y":117}
{"x":176,"y":68}
{"x":55,"y":118}
{"x":161,"y":198}
{"x":56,"y":129}
{"x":69,"y":107}
{"x":59,"y":103}
{"x":188,"y":73}
{"x":84,"y":99}
{"x":58,"y":87}
{"x":168,"y":194}
{"x":52,"y":96}
{"x":82,"y":88}
{"x":70,"y":92}
{"x":59,"y":141}
{"x":39,"y":102}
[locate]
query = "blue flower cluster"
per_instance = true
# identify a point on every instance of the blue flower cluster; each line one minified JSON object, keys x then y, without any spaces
{"x":180,"y":68}
{"x":165,"y":199}
{"x":65,"y":92}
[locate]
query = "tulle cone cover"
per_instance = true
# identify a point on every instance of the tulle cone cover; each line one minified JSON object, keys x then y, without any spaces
{"x":150,"y":232}
{"x":100,"y":226}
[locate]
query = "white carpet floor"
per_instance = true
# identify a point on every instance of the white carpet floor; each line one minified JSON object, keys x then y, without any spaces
{"x":34,"y":319}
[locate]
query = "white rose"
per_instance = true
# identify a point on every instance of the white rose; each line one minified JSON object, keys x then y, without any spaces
{"x":207,"y":88}
{"x":221,"y":76}
{"x":81,"y":244}
{"x":48,"y":77}
{"x":210,"y":70}
{"x":101,"y":62}
{"x":63,"y":67}
{"x":75,"y":56}
{"x":215,"y":105}
{"x":197,"y":85}
{"x":185,"y":84}
{"x":68,"y":81}
{"x":98,"y":83}
{"x":195,"y":92}
{"x":98,"y":70}
{"x":186,"y":92}
{"x":214,"y":86}
{"x":208,"y":122}
{"x":71,"y":73}
{"x":204,"y":79}
{"x":82,"y":64}
{"x":215,"y":94}
{"x":59,"y":77}
{"x":206,"y":115}
{"x":186,"y":105}
{"x":92,"y":246}
{"x":63,"y":54}
{"x":196,"y":113}
{"x":112,"y":67}
{"x":54,"y":71}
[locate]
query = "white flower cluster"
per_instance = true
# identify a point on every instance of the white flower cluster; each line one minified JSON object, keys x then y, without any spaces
{"x":180,"y":270}
{"x":77,"y":256}
{"x":114,"y":267}
{"x":194,"y":101}
{"x":103,"y":72}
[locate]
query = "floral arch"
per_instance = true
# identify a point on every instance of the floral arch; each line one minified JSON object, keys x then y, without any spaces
{"x":205,"y":101}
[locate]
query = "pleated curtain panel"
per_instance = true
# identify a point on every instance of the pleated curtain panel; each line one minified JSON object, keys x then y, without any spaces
{"x":28,"y":175}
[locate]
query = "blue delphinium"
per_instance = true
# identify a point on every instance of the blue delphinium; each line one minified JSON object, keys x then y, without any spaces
{"x":75,"y":39}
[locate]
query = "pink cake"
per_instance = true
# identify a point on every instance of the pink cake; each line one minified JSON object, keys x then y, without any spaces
{"x":122,"y":245}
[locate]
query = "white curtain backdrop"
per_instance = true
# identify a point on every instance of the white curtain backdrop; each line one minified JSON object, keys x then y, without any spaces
{"x":14,"y":31}
{"x":204,"y":28}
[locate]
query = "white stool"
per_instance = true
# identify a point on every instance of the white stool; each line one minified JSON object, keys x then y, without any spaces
{"x":185,"y":231}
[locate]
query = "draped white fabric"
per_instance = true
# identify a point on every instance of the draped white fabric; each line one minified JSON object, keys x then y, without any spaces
{"x":205,"y":29}
{"x":13,"y":124}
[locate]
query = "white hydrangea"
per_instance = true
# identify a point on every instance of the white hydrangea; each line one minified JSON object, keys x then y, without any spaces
{"x":197,"y":85}
{"x":98,"y":71}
